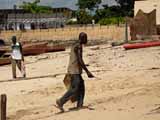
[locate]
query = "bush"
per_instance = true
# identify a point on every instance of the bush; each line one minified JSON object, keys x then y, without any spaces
{"x":113,"y":20}
{"x":71,"y":22}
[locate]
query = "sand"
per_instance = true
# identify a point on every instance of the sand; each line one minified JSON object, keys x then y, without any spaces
{"x":126,"y":87}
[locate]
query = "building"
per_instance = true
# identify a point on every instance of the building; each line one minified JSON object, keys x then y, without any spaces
{"x":147,"y":6}
{"x":16,"y":19}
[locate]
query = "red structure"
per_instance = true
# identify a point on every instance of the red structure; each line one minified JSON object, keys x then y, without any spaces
{"x":141,"y":45}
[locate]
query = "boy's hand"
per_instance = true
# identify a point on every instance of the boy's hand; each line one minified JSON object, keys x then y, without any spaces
{"x":90,"y":75}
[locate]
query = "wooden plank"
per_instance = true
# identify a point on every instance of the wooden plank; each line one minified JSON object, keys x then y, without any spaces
{"x":3,"y":102}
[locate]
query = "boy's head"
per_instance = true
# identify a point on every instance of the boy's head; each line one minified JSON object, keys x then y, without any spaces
{"x":14,"y":39}
{"x":83,"y":38}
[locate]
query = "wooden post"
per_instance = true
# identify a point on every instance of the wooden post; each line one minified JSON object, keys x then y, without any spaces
{"x":3,"y":101}
{"x":126,"y":31}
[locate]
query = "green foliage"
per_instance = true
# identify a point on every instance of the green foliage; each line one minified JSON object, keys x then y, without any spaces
{"x":125,"y":8}
{"x":89,"y":4}
{"x":109,"y":15}
{"x":71,"y":22}
{"x":83,"y":17}
{"x":112,"y":20}
{"x":33,"y":7}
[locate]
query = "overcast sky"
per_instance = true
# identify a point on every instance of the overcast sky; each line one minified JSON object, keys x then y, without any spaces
{"x":53,"y":3}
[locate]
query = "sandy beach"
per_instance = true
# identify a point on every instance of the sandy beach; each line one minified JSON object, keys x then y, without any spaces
{"x":126,"y":86}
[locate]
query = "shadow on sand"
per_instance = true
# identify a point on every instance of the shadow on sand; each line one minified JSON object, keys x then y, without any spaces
{"x":31,"y":78}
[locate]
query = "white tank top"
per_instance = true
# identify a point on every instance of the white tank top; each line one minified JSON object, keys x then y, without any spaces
{"x":74,"y":67}
{"x":16,"y":53}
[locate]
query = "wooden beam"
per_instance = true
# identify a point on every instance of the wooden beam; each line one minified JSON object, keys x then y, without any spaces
{"x":3,"y":105}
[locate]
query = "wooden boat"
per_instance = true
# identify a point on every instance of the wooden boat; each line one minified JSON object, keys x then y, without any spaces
{"x":1,"y":52}
{"x":39,"y":48}
{"x":29,"y":49}
{"x":5,"y":61}
{"x":34,"y":48}
{"x":54,"y":48}
{"x":141,"y":45}
{"x":4,"y":49}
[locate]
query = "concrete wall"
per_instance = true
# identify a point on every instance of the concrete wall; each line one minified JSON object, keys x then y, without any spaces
{"x":147,"y":6}
{"x":69,"y":33}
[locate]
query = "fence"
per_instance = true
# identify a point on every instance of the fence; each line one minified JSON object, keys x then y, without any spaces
{"x":68,"y":33}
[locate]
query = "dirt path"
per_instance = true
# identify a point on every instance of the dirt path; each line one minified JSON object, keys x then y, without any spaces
{"x":126,"y":86}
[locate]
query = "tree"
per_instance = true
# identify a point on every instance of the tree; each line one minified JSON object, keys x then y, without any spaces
{"x":127,"y":6}
{"x":109,"y":12}
{"x":128,"y":3}
{"x":88,"y":4}
{"x":33,"y":7}
{"x":83,"y":17}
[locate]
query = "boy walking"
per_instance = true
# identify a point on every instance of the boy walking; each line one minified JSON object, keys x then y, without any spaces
{"x":17,"y":58}
{"x":75,"y":67}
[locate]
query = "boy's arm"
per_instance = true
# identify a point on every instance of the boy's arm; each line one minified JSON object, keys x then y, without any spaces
{"x":81,"y":62}
{"x":21,"y":50}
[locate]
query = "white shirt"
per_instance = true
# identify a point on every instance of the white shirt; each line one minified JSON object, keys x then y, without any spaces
{"x":16,"y":52}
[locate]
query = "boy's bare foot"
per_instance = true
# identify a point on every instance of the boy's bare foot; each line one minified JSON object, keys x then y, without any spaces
{"x":59,"y":105}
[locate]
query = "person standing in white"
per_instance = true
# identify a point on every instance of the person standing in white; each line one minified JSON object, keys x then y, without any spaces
{"x":17,"y":58}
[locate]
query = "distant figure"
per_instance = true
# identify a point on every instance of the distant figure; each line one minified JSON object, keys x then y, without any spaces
{"x":17,"y":58}
{"x":10,"y":27}
{"x":33,"y":26}
{"x":76,"y":88}
{"x":22,"y":27}
{"x":2,"y":43}
{"x":93,"y":23}
{"x":62,"y":25}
